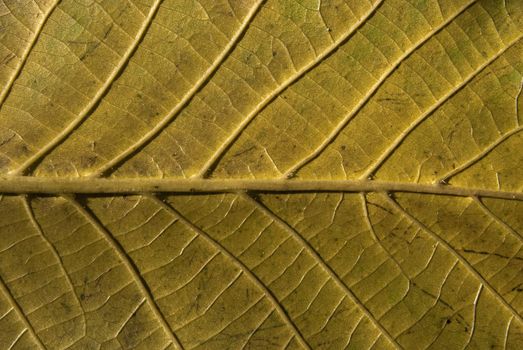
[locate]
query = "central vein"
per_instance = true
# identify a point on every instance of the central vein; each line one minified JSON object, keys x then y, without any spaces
{"x":49,"y":185}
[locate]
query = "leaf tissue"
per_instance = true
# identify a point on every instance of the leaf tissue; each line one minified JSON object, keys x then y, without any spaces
{"x":248,"y":174}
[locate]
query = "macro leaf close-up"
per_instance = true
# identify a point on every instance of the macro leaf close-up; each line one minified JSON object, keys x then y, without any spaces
{"x":248,"y":174}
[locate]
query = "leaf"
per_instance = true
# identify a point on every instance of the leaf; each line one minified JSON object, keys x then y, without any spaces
{"x":280,"y":174}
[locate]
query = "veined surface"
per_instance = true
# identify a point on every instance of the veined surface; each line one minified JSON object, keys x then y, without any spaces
{"x":248,"y":174}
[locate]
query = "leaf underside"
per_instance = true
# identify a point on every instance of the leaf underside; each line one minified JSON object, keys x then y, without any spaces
{"x":280,"y":174}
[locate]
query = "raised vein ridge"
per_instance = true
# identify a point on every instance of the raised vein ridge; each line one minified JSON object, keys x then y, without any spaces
{"x":30,"y":163}
{"x":48,"y":185}
{"x":7,"y":89}
{"x":321,"y":262}
{"x":219,"y":247}
{"x":222,"y":149}
{"x":458,"y":257}
{"x":187,"y":98}
{"x":135,"y":275}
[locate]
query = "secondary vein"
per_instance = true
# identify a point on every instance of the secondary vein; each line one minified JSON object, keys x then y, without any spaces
{"x":18,"y":310}
{"x":187,"y":98}
{"x":219,"y":247}
{"x":324,"y":265}
{"x":135,"y":274}
{"x":458,"y":257}
{"x":88,"y":109}
{"x":222,"y":149}
{"x":369,"y":94}
{"x":372,"y":169}
{"x":7,"y":89}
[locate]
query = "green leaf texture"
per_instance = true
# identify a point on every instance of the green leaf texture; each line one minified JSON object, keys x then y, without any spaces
{"x":247,"y":174}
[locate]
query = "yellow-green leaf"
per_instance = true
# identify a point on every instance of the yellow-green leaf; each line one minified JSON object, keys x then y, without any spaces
{"x":248,"y":174}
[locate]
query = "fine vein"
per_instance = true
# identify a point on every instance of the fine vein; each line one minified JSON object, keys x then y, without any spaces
{"x":397,"y":142}
{"x":21,"y":315}
{"x":173,"y":113}
{"x":212,"y":161}
{"x":219,"y":247}
{"x":89,"y":108}
{"x":316,"y":256}
{"x":343,"y":123}
{"x":458,"y":256}
{"x":25,"y":54}
{"x":140,"y":283}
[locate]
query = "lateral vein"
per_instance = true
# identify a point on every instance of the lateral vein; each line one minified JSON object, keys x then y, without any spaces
{"x":348,"y":117}
{"x":25,"y":55}
{"x":279,"y":308}
{"x":332,"y":274}
{"x":39,"y":229}
{"x":497,"y":219}
{"x":100,"y":94}
{"x":18,"y":310}
{"x":403,"y":135}
{"x":457,"y":255}
{"x":175,"y":111}
{"x":140,"y":283}
{"x":480,"y":155}
{"x":214,"y":159}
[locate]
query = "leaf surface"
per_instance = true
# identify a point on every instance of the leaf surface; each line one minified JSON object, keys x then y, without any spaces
{"x":279,"y":174}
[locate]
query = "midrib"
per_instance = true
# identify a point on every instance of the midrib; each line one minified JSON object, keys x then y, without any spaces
{"x":49,"y":185}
